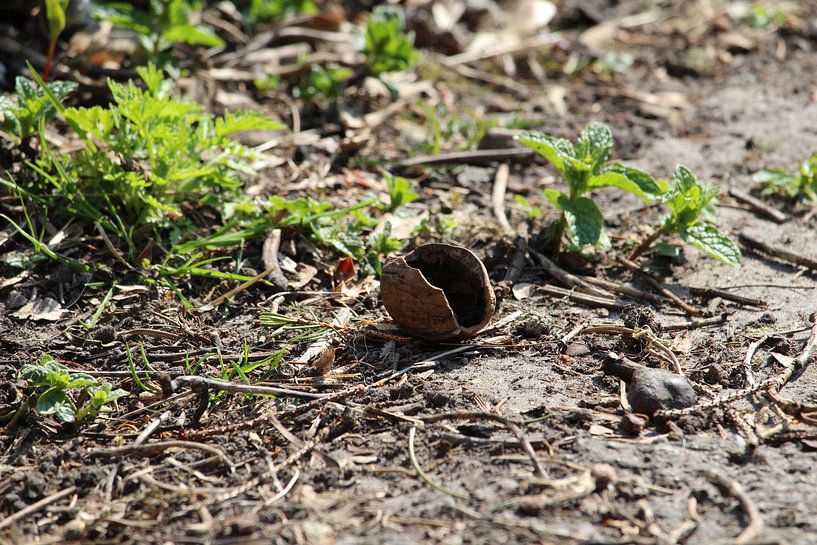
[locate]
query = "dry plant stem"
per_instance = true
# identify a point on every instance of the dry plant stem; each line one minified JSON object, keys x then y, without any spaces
{"x":629,"y":291}
{"x":801,"y":361}
{"x":423,"y":475}
{"x":36,"y":506}
{"x":565,"y":278}
{"x":689,"y":309}
{"x":779,"y":253}
{"x":151,"y":428}
{"x":195,"y":382}
{"x":639,"y":334}
{"x":644,"y":245}
{"x":748,"y":374}
{"x":503,"y":49}
{"x":150,"y":449}
{"x":773,"y":384}
{"x":697,"y":324}
{"x":512,"y":426}
{"x":498,"y":196}
{"x":468,"y":157}
{"x":759,"y":206}
{"x":265,"y":419}
{"x":111,"y":247}
{"x":733,"y":488}
{"x":711,"y":293}
{"x":514,"y":271}
{"x":239,"y":289}
{"x":581,"y":298}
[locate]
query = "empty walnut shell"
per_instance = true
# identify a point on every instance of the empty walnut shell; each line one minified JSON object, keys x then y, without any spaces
{"x":438,"y":292}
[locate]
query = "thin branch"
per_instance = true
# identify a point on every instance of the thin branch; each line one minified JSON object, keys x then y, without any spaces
{"x":424,"y":476}
{"x":36,"y":506}
{"x":733,"y":488}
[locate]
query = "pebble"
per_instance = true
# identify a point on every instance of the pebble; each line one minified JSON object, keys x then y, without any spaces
{"x":651,"y":390}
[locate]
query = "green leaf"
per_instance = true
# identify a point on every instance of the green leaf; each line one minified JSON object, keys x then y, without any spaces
{"x":244,"y":120}
{"x":584,"y":221}
{"x":193,"y":35}
{"x":627,"y":179}
{"x":668,"y":250}
{"x":688,"y":197}
{"x":556,"y":197}
{"x":55,"y":14}
{"x":594,"y":145}
{"x":558,"y":151}
{"x":709,"y":239}
{"x":55,"y":401}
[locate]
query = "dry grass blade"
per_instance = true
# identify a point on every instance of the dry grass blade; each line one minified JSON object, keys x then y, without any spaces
{"x":423,"y":475}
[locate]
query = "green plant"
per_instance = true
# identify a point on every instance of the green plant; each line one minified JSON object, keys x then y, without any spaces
{"x":55,"y":13}
{"x":349,"y":231}
{"x":323,"y":83}
{"x":266,"y":10}
{"x":52,"y":382}
{"x":527,"y":206}
{"x":585,"y":167}
{"x":399,"y":190}
{"x":386,"y":45}
{"x":761,"y":17}
{"x":147,"y":154}
{"x":445,"y":126}
{"x":162,"y":24}
{"x":802,"y":185}
{"x":688,"y":200}
{"x":33,"y":106}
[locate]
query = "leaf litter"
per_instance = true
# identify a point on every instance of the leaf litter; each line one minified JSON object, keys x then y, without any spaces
{"x":229,"y":432}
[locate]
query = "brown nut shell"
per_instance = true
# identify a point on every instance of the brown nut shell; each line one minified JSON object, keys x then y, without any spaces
{"x":438,"y":292}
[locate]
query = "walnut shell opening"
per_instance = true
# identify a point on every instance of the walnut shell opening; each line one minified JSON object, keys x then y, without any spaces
{"x":438,"y":292}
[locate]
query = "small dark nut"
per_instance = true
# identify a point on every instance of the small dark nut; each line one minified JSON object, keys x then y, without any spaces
{"x":438,"y":292}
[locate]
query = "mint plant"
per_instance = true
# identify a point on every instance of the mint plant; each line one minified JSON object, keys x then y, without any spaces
{"x":162,"y":24}
{"x":799,"y":186}
{"x":688,"y":201}
{"x":386,"y":45}
{"x":33,"y":106}
{"x":52,"y":384}
{"x":585,"y":167}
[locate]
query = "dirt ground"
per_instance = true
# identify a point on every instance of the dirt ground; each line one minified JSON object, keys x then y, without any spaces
{"x":343,"y":470}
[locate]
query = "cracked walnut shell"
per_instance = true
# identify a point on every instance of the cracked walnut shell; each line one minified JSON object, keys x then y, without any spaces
{"x":438,"y":292}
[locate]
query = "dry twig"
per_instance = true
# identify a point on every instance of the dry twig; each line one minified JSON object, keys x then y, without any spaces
{"x":733,"y":488}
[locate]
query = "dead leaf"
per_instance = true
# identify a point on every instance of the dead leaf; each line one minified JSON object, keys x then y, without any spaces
{"x":45,"y":309}
{"x":782,"y":359}
{"x":523,"y":290}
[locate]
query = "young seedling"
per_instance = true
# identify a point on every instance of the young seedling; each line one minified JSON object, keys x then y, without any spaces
{"x":687,"y":200}
{"x":387,"y":47}
{"x":34,"y":106}
{"x":585,"y":167}
{"x":55,"y":13}
{"x":162,"y":24}
{"x":801,"y":186}
{"x":52,"y":381}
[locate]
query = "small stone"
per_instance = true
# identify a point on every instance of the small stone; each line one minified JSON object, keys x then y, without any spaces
{"x":577,"y":349}
{"x":633,"y":424}
{"x":651,"y":390}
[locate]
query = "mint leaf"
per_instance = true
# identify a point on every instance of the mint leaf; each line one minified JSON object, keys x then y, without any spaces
{"x":628,"y":179}
{"x":584,"y":221}
{"x":557,"y":151}
{"x":688,"y":196}
{"x":709,"y":239}
{"x":594,"y":145}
